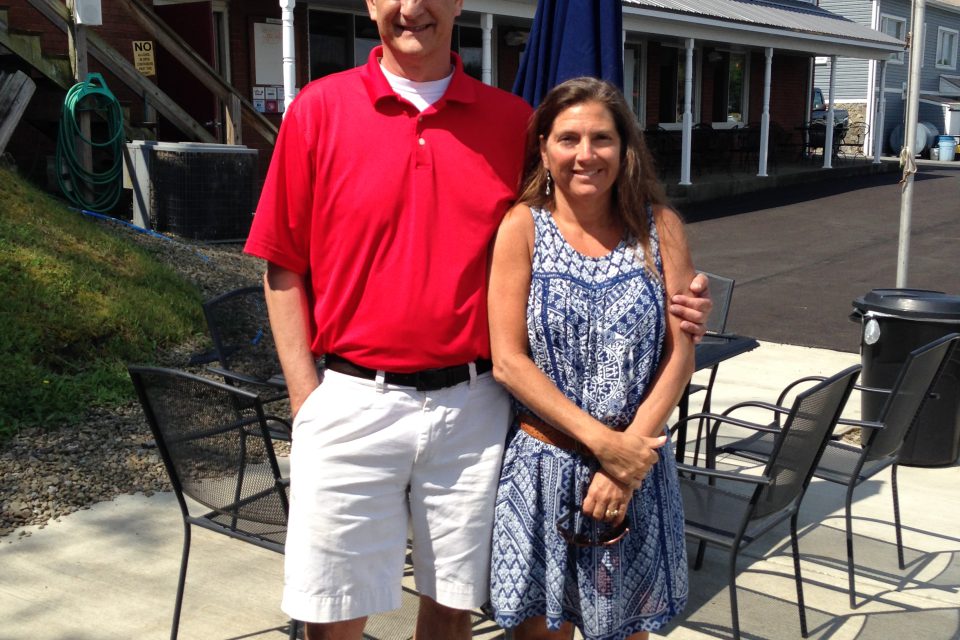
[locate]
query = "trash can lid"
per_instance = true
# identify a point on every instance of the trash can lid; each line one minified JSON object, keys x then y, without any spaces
{"x":911,"y":303}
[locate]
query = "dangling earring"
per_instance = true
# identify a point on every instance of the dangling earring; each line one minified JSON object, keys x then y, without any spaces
{"x":548,"y":190}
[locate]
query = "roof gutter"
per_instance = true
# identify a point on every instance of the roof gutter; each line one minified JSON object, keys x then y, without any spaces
{"x":702,"y":28}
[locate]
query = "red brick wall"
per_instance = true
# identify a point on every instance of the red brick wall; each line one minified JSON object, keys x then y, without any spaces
{"x":788,"y":89}
{"x":654,"y":53}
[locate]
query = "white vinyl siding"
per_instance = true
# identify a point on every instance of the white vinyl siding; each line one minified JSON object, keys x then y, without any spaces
{"x":852,"y":73}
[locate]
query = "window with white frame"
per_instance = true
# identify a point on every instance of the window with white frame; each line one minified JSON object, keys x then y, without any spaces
{"x":947,"y":48}
{"x":897,"y":27}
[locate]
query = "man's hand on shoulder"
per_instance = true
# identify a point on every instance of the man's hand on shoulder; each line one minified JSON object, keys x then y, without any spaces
{"x":693,"y":310}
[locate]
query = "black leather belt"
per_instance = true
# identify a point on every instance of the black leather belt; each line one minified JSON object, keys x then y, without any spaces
{"x":425,"y":380}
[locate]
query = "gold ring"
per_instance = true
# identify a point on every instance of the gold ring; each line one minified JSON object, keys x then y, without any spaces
{"x":613,"y":513}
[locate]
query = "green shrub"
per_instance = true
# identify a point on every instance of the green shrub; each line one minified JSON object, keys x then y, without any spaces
{"x":76,"y":304}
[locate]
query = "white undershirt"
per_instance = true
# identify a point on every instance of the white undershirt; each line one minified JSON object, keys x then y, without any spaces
{"x":419,"y":94}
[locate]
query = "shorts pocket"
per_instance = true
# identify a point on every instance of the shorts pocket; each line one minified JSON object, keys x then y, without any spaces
{"x":307,"y":409}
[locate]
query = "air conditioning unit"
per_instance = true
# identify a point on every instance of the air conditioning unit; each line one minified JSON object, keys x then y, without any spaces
{"x":195,"y":190}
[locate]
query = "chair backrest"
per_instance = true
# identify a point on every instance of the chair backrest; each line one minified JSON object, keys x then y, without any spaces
{"x":801,"y":441}
{"x":916,"y":379}
{"x":721,"y":290}
{"x":858,"y":132}
{"x":240,"y":330}
{"x":215,"y":444}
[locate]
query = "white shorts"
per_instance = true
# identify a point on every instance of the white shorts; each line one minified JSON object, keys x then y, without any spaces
{"x":365,"y":465}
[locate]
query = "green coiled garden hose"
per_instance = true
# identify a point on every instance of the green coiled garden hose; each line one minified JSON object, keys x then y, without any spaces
{"x":94,"y":190}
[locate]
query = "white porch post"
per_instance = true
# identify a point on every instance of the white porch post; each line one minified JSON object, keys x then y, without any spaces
{"x":765,"y":116}
{"x":687,"y":115}
{"x":881,"y":112}
{"x":828,"y":135}
{"x":486,"y":59}
{"x":289,"y":55}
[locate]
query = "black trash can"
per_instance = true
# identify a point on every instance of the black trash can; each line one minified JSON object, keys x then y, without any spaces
{"x":894,"y":322}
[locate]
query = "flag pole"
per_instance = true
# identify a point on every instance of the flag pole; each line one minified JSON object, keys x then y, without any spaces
{"x":909,"y":140}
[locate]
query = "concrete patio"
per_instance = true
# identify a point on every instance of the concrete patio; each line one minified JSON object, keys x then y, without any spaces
{"x":110,"y":571}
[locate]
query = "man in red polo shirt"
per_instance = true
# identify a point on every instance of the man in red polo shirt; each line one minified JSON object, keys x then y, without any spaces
{"x":385,"y":188}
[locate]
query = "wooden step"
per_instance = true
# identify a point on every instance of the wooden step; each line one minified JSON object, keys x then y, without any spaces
{"x":27,"y":47}
{"x":16,"y":89}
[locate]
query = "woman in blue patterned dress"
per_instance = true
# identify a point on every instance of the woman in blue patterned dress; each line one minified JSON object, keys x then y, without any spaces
{"x":588,"y":527}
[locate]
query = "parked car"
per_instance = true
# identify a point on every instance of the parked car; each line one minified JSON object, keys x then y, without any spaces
{"x":819,"y":111}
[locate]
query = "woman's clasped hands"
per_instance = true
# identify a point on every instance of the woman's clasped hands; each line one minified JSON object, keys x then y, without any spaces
{"x":626,"y":458}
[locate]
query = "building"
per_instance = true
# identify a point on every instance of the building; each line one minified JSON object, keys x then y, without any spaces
{"x":692,"y":67}
{"x":858,"y":80}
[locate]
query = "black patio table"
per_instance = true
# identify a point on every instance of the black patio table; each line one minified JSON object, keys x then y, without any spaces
{"x":712,"y":350}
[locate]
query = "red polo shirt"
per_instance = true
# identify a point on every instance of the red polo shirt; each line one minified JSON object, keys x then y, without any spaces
{"x":391,"y":211}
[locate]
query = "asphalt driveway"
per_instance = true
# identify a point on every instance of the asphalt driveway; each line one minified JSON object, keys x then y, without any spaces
{"x":801,"y":255}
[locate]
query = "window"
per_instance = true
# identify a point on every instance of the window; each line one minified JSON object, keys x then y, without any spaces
{"x":673,"y":63}
{"x":633,"y":80}
{"x":365,"y":38}
{"x":727,"y":72}
{"x":896,"y":27}
{"x":330,"y":34}
{"x":468,"y":43}
{"x":947,"y":48}
{"x":339,"y":41}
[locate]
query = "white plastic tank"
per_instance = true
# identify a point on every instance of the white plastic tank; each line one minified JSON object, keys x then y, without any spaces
{"x":896,"y":140}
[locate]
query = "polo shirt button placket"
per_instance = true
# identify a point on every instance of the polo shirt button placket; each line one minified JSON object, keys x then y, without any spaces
{"x":423,"y":158}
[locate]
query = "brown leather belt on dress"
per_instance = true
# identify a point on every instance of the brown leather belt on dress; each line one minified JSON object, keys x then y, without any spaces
{"x":425,"y":380}
{"x":537,"y":428}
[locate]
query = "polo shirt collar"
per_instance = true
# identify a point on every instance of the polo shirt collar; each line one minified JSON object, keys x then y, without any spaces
{"x":378,"y":88}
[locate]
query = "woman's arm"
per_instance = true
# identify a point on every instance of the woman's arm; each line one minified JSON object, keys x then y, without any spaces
{"x":677,"y":361}
{"x":626,"y":456}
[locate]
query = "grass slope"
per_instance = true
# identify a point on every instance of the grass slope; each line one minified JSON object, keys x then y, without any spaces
{"x":76,"y":305}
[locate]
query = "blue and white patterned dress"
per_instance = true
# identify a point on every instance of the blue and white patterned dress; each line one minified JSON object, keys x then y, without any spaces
{"x":596,"y":328}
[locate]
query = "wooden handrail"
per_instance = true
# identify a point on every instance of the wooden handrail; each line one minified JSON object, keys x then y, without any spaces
{"x":57,"y":13}
{"x":175,"y":45}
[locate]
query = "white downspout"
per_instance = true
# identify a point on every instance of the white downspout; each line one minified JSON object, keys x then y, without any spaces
{"x":289,"y":55}
{"x":486,"y":64}
{"x":881,"y":113}
{"x":873,"y":71}
{"x":765,"y":116}
{"x":687,"y":115}
{"x":828,"y":136}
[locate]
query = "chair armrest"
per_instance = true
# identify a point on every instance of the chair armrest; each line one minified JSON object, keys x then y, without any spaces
{"x":723,"y":475}
{"x":869,"y":424}
{"x":757,"y":404}
{"x":717,"y":418}
{"x":865,"y":389}
{"x":787,"y":389}
{"x":235,"y":376}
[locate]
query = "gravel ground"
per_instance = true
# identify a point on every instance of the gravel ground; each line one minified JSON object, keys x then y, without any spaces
{"x":48,"y":473}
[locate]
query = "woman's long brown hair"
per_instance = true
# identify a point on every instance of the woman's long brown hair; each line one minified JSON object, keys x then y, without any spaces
{"x":636,"y":186}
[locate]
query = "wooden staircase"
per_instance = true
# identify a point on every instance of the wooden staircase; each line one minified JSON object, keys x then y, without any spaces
{"x":238,"y":107}
{"x":26,"y":45}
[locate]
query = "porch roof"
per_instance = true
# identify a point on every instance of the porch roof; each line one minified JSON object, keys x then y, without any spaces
{"x":785,"y":24}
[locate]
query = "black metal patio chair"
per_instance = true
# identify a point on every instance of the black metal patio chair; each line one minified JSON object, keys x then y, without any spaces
{"x":881,"y":439}
{"x":215,"y":443}
{"x":243,"y":343}
{"x":244,"y":349}
{"x":719,"y":515}
{"x":721,"y":290}
{"x":852,"y":144}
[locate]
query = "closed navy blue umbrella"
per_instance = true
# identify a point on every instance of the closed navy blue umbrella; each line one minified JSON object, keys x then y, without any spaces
{"x":571,"y":38}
